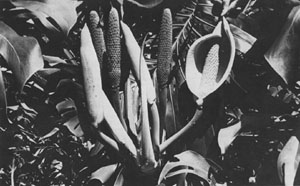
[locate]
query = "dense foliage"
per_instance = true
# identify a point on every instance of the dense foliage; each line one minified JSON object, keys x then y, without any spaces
{"x":51,"y":101}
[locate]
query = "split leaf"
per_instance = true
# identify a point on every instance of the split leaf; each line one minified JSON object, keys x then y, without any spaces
{"x":61,"y":14}
{"x":192,"y":162}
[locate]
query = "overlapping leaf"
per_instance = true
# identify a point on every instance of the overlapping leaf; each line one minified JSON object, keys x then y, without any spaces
{"x":22,"y":54}
{"x":54,"y":14}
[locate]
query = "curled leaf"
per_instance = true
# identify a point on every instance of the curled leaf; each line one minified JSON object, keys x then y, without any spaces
{"x":74,"y":126}
{"x":104,"y":173}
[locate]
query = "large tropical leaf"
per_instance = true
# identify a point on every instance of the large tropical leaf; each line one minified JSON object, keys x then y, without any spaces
{"x":62,"y":12}
{"x":22,"y":54}
{"x":187,"y":162}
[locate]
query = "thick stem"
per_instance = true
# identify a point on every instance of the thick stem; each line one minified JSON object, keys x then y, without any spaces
{"x":155,"y":125}
{"x":172,"y":105}
{"x":170,"y":120}
{"x":163,"y":93}
{"x":182,"y":179}
{"x":12,"y":174}
{"x":147,"y":148}
{"x":147,"y":93}
{"x":112,"y":143}
{"x":181,"y":132}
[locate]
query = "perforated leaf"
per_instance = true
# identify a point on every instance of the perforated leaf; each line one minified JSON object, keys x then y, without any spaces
{"x":62,"y":12}
{"x":191,"y":161}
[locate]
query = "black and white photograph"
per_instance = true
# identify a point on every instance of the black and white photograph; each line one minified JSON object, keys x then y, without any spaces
{"x":149,"y":92}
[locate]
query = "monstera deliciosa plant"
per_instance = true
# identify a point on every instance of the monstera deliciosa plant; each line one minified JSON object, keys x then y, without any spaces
{"x":81,"y":103}
{"x":93,"y":92}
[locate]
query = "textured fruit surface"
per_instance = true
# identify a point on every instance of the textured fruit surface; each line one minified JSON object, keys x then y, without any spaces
{"x":164,"y":49}
{"x":97,"y":35}
{"x":112,"y":67}
{"x":210,"y":69}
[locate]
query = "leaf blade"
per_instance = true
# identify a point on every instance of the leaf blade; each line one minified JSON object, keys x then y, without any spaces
{"x":22,"y":54}
{"x":63,"y":12}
